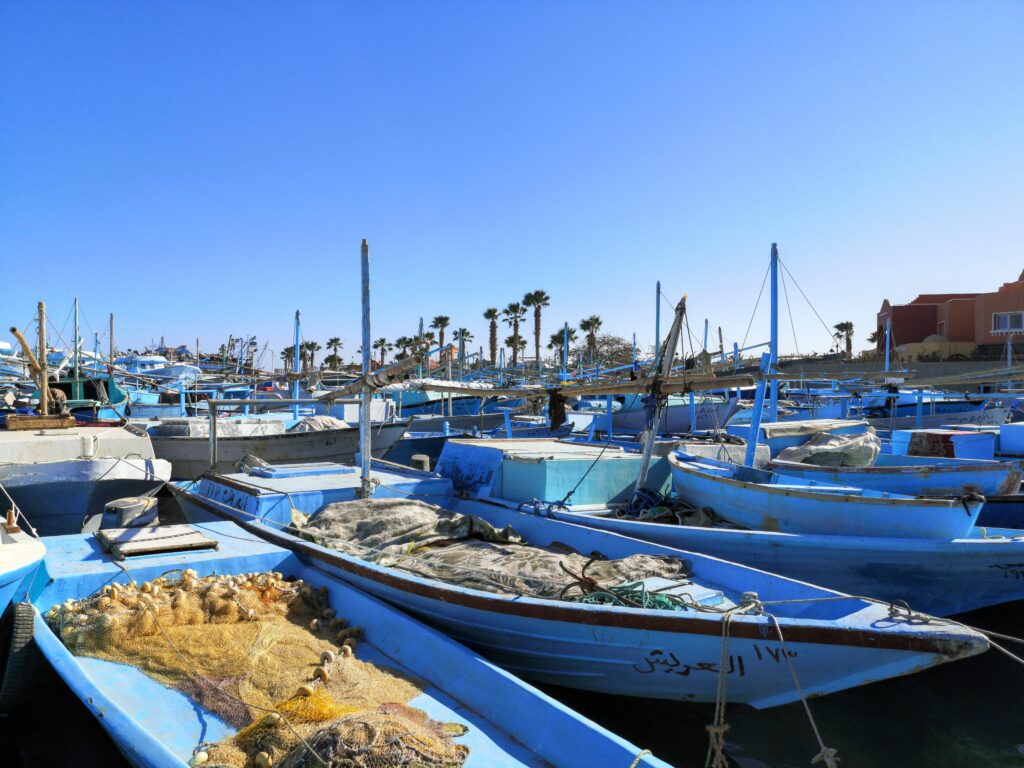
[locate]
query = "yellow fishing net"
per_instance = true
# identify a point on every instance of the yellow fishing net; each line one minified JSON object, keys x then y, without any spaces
{"x":270,"y":657}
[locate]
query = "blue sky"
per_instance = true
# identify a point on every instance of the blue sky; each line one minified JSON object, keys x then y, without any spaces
{"x":204,"y":169}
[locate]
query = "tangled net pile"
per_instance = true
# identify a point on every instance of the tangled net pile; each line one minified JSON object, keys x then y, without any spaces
{"x":269,"y":657}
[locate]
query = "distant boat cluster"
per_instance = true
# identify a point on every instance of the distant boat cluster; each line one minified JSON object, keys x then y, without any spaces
{"x":373,"y":565}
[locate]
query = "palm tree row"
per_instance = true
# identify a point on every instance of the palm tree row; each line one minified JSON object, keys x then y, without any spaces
{"x":588,"y":325}
{"x":513,"y":315}
{"x":307,"y":354}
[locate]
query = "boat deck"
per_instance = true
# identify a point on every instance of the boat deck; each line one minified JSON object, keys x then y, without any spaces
{"x":76,"y":566}
{"x":321,"y":477}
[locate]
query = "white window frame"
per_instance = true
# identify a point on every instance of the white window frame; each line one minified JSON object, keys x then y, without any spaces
{"x":1009,"y":328}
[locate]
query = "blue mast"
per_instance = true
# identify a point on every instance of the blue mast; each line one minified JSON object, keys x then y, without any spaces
{"x":888,"y":337}
{"x":419,"y":368}
{"x":565,"y":350}
{"x":295,"y":368}
{"x":366,"y":489}
{"x":773,"y":405}
{"x":657,"y":318}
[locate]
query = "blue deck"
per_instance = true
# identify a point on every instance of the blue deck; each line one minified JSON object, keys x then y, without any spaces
{"x":156,"y":726}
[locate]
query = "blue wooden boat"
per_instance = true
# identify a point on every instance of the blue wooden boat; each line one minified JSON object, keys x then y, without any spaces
{"x":430,"y":444}
{"x":914,"y":475}
{"x":20,"y":554}
{"x":940,"y":577}
{"x":835,"y":642}
{"x":158,"y":727}
{"x":764,"y":500}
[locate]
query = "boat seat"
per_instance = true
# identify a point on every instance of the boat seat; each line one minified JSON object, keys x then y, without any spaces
{"x":158,"y":539}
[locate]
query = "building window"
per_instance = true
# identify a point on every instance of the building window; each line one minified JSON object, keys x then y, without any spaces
{"x":1007,"y":322}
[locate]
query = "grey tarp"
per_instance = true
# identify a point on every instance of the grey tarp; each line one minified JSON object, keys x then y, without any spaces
{"x":467,"y":550}
{"x":828,"y":450}
{"x":319,"y":424}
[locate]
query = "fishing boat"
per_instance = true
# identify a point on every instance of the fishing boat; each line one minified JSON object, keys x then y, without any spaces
{"x":158,"y":367}
{"x":430,"y":444}
{"x":707,"y":412}
{"x":20,"y":554}
{"x":765,"y":500}
{"x":907,"y":409}
{"x":63,"y":478}
{"x":936,"y":576}
{"x":834,"y":641}
{"x":164,"y":701}
{"x":185,"y":443}
{"x":914,"y":475}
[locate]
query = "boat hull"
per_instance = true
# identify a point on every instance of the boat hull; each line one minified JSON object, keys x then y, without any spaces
{"x":915,"y":476}
{"x":19,"y":557}
{"x":622,"y":651}
{"x":158,"y":727}
{"x":798,"y":508}
{"x":676,"y":419}
{"x":57,"y":497}
{"x":991,"y":416}
{"x":941,"y":578}
{"x":190,"y":456}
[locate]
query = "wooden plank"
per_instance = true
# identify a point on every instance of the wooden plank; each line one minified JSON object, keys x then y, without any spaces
{"x":16,"y":421}
{"x":128,"y":542}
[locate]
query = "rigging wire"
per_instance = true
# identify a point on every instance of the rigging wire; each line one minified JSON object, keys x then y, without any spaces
{"x":831,"y":335}
{"x":789,"y":310}
{"x":756,"y":304}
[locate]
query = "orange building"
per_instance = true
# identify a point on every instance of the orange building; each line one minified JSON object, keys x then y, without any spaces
{"x":982,"y":319}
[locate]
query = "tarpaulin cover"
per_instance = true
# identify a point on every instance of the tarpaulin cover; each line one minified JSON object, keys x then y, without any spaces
{"x":467,"y":550}
{"x":827,"y":450}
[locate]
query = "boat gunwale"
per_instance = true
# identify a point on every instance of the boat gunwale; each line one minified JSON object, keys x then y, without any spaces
{"x":378,"y":428}
{"x":891,"y":500}
{"x":974,"y":465}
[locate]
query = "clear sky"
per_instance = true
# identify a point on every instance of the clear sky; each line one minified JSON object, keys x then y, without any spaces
{"x":205,"y":168}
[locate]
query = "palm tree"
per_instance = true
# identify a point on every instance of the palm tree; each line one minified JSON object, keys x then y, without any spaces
{"x":287,"y":354}
{"x":403,"y":344}
{"x":491,"y":316}
{"x":538,"y":300}
{"x":440,"y":323}
{"x":590,"y":326}
{"x":308,"y":352}
{"x":383,"y":346}
{"x":333,"y":362}
{"x":556,"y":340}
{"x":334,"y":344}
{"x":517,"y":344}
{"x":514,"y":314}
{"x":462,"y":337}
{"x":844,"y":331}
